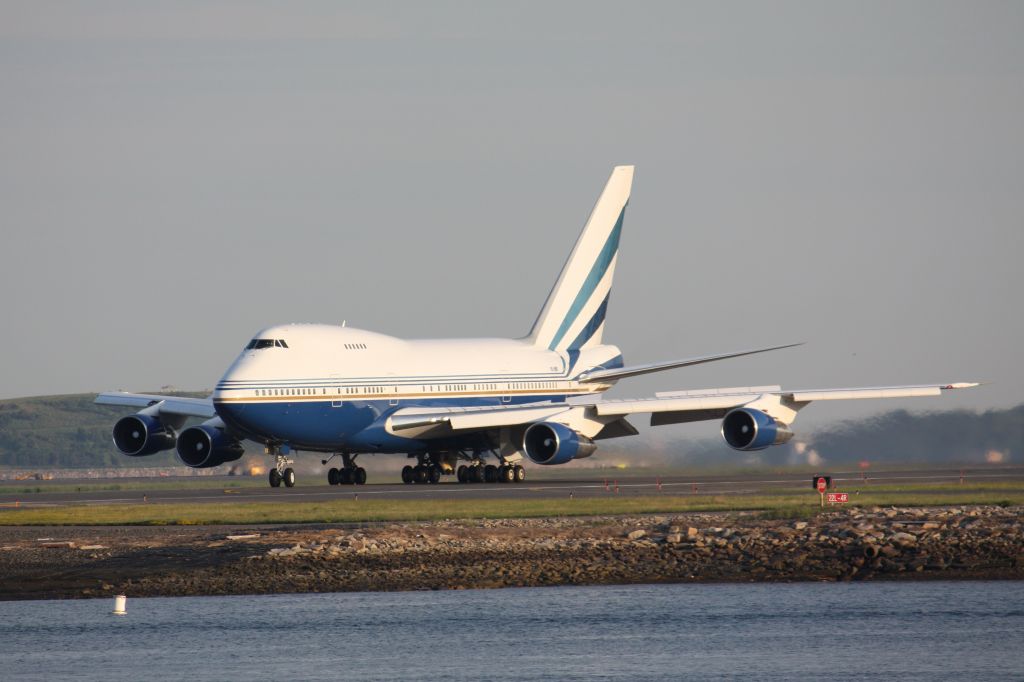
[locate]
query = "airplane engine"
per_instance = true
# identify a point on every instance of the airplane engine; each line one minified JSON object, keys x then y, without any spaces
{"x":551,"y":443}
{"x":748,"y":429}
{"x":141,"y":434}
{"x":205,"y":446}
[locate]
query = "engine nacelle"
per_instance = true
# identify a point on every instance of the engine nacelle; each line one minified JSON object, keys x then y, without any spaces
{"x":551,"y":443}
{"x":748,"y":429}
{"x":142,"y":434}
{"x":205,"y":446}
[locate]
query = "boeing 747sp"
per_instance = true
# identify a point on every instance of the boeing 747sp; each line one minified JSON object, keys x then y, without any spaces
{"x":475,"y":408}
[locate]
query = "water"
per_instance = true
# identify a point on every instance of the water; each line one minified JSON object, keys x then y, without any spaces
{"x":963,"y":630}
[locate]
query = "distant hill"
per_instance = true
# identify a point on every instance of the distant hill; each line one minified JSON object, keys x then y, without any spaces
{"x":65,"y":431}
{"x":954,"y":437}
{"x":69,"y":431}
{"x":995,"y":436}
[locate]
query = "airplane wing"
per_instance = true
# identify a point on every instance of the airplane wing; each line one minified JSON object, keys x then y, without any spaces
{"x":665,"y":408}
{"x":172,"y":405}
{"x":687,"y":406}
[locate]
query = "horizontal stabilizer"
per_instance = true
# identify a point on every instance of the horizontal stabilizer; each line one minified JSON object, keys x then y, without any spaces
{"x":636,"y":370}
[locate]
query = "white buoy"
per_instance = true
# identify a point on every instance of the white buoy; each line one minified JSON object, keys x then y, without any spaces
{"x":119,"y":603}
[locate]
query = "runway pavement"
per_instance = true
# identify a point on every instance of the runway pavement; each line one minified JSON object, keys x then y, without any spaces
{"x":582,"y":484}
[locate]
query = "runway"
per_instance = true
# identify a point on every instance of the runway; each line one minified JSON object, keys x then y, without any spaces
{"x":584,"y":484}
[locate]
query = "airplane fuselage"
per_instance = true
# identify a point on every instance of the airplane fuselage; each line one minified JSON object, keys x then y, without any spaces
{"x":330,"y":388}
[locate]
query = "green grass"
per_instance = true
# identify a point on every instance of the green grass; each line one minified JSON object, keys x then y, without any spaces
{"x":184,"y":483}
{"x":782,"y":505}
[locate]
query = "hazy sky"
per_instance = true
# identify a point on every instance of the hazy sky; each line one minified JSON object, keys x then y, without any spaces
{"x":175,"y":176}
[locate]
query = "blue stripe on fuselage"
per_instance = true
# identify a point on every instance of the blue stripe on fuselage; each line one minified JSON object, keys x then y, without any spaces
{"x":355,"y":425}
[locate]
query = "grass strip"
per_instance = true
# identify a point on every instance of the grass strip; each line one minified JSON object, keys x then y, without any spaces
{"x":197,"y":483}
{"x":204,"y":483}
{"x":369,"y":510}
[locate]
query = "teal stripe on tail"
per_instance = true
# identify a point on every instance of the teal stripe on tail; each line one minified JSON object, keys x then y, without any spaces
{"x":574,"y":313}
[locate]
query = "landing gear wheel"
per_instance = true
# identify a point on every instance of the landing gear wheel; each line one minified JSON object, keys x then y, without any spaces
{"x":345,"y":476}
{"x":420,"y":472}
{"x":520,"y":473}
{"x":407,"y":474}
{"x":434,"y":474}
{"x":461,"y":473}
{"x":491,"y":473}
{"x":275,"y":478}
{"x":478,"y":475}
{"x":359,"y":476}
{"x":332,"y":476}
{"x":288,"y":477}
{"x":506,"y":474}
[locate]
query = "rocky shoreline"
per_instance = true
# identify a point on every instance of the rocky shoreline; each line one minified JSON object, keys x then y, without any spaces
{"x":855,"y":544}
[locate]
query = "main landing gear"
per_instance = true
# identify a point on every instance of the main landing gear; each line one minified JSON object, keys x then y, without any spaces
{"x":348,"y":474}
{"x":431,"y":467}
{"x":477,"y":472}
{"x":282,"y":473}
{"x":421,"y":473}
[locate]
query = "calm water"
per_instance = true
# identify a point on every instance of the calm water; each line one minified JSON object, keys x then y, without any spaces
{"x":929,"y":631}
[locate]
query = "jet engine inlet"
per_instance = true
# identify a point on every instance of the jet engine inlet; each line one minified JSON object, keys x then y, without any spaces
{"x":748,"y":429}
{"x":139,"y":435}
{"x":550,"y":443}
{"x":202,"y":447}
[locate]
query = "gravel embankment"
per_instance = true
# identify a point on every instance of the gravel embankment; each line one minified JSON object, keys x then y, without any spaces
{"x":875,"y":544}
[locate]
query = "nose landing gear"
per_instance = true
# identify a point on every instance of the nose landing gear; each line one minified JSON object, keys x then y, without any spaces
{"x":281,"y":472}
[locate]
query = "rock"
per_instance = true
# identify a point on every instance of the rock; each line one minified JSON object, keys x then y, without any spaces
{"x":674,"y":537}
{"x":904,"y":538}
{"x":800,"y":525}
{"x":636,"y":534}
{"x":692,"y":532}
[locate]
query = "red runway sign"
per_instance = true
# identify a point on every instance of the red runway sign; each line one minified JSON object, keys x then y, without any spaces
{"x":822,"y":484}
{"x":838,"y":498}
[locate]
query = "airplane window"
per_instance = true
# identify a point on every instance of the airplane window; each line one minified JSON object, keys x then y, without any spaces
{"x":262,"y":343}
{"x":252,"y":344}
{"x":283,"y":343}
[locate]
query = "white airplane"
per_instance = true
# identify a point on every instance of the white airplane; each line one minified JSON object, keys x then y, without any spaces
{"x":346,"y":391}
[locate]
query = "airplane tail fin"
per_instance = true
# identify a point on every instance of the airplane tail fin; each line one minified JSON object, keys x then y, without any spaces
{"x":573,"y":316}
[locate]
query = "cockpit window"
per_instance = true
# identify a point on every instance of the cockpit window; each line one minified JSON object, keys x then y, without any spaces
{"x":258,"y":344}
